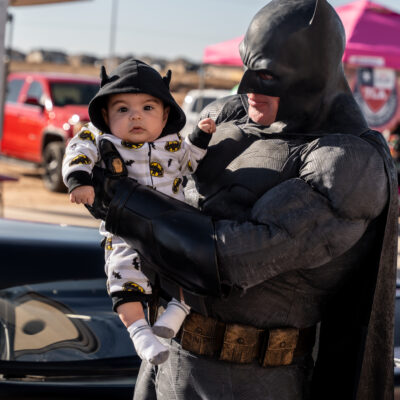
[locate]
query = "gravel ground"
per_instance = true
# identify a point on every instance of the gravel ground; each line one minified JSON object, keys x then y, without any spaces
{"x":28,"y":199}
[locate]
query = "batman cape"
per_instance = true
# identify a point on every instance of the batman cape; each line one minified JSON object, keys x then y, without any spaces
{"x":297,"y":225}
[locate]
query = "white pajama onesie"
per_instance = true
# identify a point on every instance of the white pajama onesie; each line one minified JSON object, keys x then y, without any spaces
{"x":161,"y":164}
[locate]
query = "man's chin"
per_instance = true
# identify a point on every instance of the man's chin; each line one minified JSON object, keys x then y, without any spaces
{"x":259,"y":117}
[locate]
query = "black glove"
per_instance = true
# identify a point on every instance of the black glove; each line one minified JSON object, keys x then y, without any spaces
{"x":106,"y":181}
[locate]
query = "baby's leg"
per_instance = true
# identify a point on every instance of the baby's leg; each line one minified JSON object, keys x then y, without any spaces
{"x":123,"y":269}
{"x":129,"y":285}
{"x":170,"y":321}
{"x":147,"y":346}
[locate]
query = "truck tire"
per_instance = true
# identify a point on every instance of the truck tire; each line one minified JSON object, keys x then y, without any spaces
{"x":52,"y":162}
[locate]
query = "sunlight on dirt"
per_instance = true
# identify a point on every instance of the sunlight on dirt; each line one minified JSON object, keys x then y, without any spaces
{"x":29,"y":200}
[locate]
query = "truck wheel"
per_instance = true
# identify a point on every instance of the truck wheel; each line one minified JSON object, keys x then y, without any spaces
{"x":52,"y":162}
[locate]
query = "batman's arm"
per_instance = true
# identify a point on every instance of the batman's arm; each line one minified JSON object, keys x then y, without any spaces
{"x":229,"y":108}
{"x":301,"y":223}
{"x":310,"y":220}
{"x":176,"y":240}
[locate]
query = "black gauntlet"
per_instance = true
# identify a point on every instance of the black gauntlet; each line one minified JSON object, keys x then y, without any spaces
{"x":175,"y":238}
{"x":106,"y":181}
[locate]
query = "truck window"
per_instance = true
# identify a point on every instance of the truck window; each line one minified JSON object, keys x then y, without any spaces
{"x":35,"y":91}
{"x":202,"y":102}
{"x":13,"y":89}
{"x":65,"y":93}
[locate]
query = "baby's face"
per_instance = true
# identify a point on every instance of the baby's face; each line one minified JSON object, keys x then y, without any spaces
{"x":135,"y":117}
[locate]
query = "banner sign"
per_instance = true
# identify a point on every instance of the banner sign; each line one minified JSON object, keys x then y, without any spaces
{"x":376,"y":61}
{"x":376,"y":93}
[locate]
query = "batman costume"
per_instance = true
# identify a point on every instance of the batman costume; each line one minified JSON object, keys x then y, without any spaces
{"x":294,"y":226}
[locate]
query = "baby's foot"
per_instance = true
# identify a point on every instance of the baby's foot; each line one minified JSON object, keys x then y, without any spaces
{"x":146,"y":344}
{"x":170,"y":321}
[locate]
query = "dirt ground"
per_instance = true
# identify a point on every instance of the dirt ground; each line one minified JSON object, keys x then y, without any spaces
{"x":28,"y":199}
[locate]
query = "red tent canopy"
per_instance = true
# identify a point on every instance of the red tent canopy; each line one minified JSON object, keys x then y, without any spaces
{"x":224,"y":53}
{"x":372,"y":33}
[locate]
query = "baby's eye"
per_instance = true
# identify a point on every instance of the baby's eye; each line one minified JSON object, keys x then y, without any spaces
{"x":147,"y":108}
{"x":122,"y":109}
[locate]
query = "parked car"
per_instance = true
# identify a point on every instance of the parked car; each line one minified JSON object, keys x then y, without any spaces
{"x":195,"y":100}
{"x":59,"y":338}
{"x":42,"y":112}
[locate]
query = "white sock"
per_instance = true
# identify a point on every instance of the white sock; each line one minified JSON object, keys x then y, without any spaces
{"x":170,"y":321}
{"x":146,"y":344}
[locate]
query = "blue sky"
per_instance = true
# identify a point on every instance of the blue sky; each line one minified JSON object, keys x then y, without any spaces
{"x":165,"y":28}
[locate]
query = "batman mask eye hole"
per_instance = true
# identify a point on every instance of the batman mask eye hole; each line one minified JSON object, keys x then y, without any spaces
{"x":265,"y":76}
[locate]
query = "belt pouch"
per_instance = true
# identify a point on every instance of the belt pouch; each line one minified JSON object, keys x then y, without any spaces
{"x":241,"y":343}
{"x":279,"y":347}
{"x":202,"y":335}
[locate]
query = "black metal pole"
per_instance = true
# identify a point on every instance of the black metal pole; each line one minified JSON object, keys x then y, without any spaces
{"x":4,"y":59}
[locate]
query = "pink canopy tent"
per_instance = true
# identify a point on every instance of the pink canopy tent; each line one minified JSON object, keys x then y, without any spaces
{"x":372,"y":33}
{"x":224,"y":53}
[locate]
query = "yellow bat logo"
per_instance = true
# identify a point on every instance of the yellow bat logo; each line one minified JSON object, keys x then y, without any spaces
{"x":132,"y":287}
{"x":80,"y":159}
{"x":156,"y":169}
{"x":173,"y":145}
{"x":130,"y":145}
{"x":109,"y":244}
{"x":176,"y":185}
{"x":87,"y":135}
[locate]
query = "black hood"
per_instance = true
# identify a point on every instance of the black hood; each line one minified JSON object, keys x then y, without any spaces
{"x":301,"y":44}
{"x":135,"y":76}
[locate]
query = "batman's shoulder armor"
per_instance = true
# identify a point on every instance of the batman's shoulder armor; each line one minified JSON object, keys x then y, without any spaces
{"x":229,"y":108}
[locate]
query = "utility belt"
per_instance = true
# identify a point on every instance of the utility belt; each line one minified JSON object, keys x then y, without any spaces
{"x":243,"y":343}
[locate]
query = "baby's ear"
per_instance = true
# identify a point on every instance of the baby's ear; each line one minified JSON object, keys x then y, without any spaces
{"x":166,"y":113}
{"x":167,"y":78}
{"x":105,"y":115}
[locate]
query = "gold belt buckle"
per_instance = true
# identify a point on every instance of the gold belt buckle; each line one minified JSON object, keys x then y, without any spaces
{"x":202,"y":335}
{"x":240,"y":344}
{"x":279,"y":348}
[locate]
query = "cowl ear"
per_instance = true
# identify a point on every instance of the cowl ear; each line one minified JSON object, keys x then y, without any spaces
{"x":167,"y":78}
{"x":103,"y":76}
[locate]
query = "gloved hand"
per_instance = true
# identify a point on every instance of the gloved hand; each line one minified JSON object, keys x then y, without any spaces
{"x":106,"y":181}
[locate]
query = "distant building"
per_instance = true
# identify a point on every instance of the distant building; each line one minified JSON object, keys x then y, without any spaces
{"x":43,"y":56}
{"x":121,"y":59}
{"x":79,"y":60}
{"x":224,"y":72}
{"x":15,"y":55}
{"x":158,"y":63}
{"x":181,"y":65}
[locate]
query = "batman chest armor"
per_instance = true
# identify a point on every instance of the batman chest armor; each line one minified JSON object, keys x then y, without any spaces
{"x":240,"y":166}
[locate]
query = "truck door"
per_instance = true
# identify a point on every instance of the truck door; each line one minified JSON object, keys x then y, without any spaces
{"x":32,"y":119}
{"x":11,"y":112}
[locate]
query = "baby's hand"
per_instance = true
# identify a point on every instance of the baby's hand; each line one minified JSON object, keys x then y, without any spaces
{"x":207,"y":125}
{"x":82,"y":195}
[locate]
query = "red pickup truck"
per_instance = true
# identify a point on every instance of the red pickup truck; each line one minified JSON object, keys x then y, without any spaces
{"x":42,"y":112}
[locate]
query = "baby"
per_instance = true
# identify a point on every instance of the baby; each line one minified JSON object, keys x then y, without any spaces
{"x":136,"y":112}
